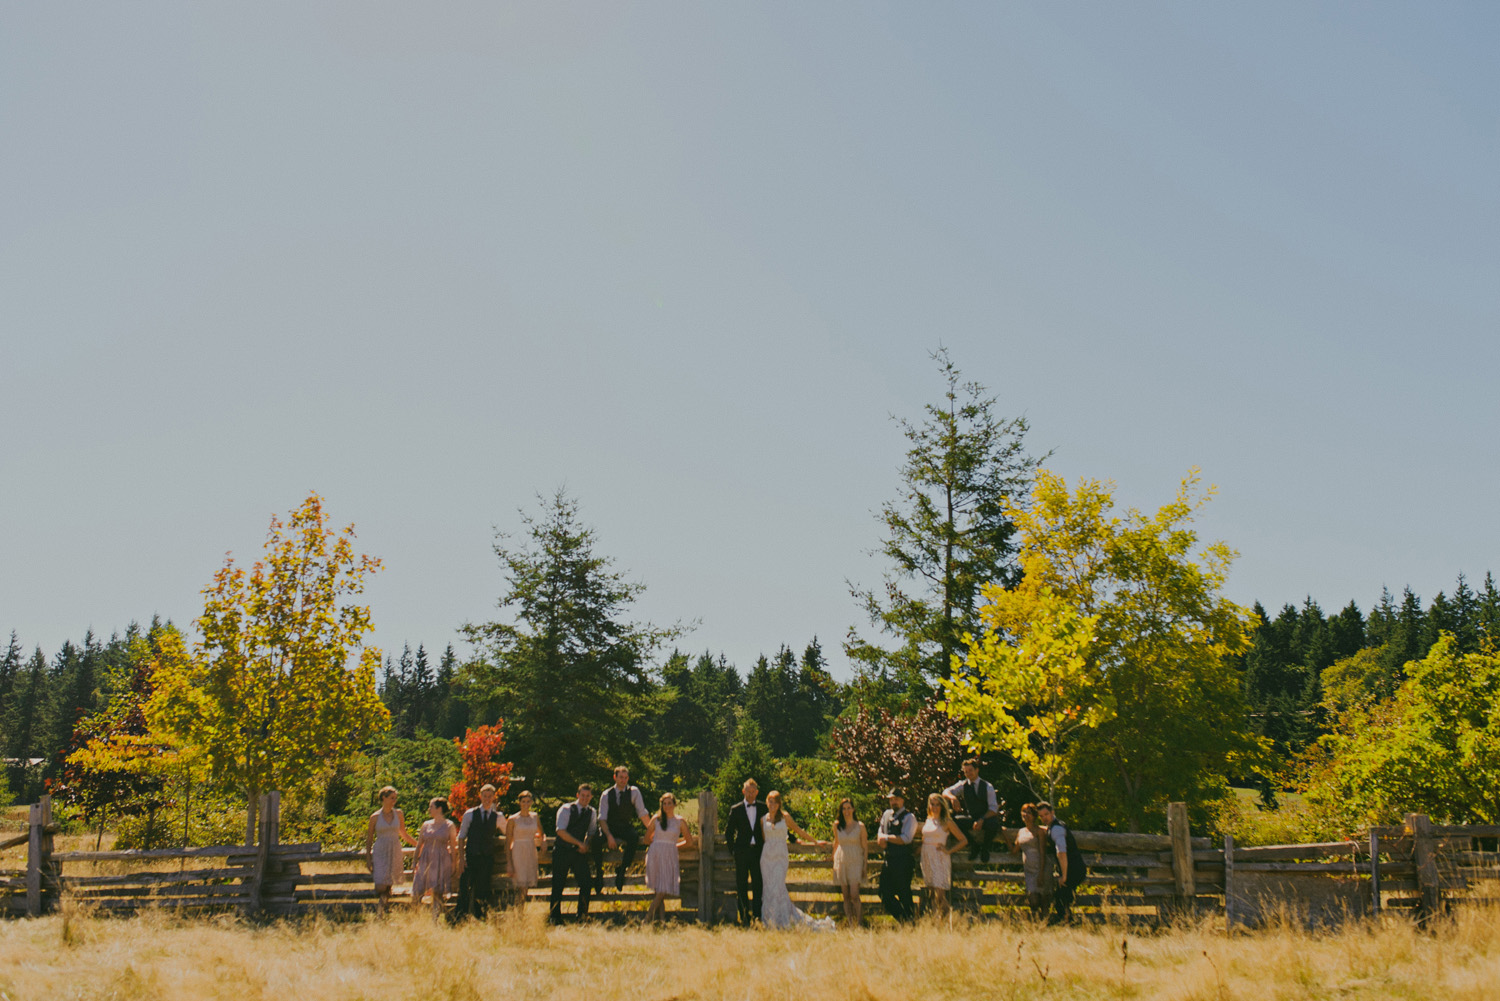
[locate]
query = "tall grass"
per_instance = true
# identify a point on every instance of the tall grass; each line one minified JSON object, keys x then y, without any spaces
{"x":155,"y":956}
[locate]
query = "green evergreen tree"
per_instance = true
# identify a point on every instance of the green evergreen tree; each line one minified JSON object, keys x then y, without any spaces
{"x":450,"y":711}
{"x":1488,"y":613}
{"x":946,"y":536}
{"x":750,"y":757}
{"x":569,"y":672}
{"x":24,"y":722}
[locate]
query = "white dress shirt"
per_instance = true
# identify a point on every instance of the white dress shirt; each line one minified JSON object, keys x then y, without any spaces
{"x":564,"y":814}
{"x":635,"y":797}
{"x":463,"y":828}
{"x":956,"y":790}
{"x":908,"y":826}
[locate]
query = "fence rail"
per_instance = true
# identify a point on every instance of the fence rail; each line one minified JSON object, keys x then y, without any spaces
{"x":1139,"y":878}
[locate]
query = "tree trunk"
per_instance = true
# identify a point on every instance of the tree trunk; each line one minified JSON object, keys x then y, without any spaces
{"x":251,"y":817}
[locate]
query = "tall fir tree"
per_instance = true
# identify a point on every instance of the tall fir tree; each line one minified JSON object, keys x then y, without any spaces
{"x":569,"y":670}
{"x":946,"y":536}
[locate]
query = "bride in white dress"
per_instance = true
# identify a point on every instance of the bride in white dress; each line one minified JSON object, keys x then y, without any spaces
{"x":777,"y":909}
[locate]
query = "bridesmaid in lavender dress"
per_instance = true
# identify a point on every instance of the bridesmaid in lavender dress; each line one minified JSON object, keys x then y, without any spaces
{"x":437,"y":843}
{"x":665,"y":833}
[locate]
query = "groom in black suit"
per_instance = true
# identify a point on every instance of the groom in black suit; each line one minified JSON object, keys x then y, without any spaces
{"x":745,"y":842}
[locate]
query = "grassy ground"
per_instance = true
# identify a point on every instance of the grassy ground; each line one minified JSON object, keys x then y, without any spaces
{"x":407,"y":956}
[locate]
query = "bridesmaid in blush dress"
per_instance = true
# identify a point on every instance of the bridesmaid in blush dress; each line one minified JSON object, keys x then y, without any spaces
{"x":523,"y":835}
{"x":383,"y":839}
{"x":437,"y":844}
{"x":665,"y":833}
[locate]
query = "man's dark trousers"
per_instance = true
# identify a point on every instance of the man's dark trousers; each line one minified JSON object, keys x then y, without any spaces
{"x":569,"y":861}
{"x":748,"y":885}
{"x":895,"y":882}
{"x":982,"y":842}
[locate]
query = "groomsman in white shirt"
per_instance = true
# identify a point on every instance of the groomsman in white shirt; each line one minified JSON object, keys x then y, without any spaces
{"x":976,"y":809}
{"x":576,"y":821}
{"x":898,"y":826}
{"x":619,"y":808}
{"x":477,"y":848}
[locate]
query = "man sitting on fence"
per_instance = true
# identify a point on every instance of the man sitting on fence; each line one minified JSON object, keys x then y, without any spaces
{"x":576,"y":822}
{"x":897,"y":828}
{"x":478,"y":835}
{"x":1061,"y":847}
{"x":975,"y":809}
{"x":619,"y":807}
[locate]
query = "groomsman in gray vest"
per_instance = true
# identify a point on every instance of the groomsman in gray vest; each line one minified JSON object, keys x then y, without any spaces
{"x":478,"y":837}
{"x":619,"y":808}
{"x":975,"y":808}
{"x":897,"y":828}
{"x":576,"y":821}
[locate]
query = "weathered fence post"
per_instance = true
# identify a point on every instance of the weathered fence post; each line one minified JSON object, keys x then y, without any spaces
{"x":1229,"y":908}
{"x":262,"y":853}
{"x":1182,"y":854}
{"x":1374,"y":873}
{"x":1424,"y":858}
{"x":708,"y":827}
{"x":38,"y":853}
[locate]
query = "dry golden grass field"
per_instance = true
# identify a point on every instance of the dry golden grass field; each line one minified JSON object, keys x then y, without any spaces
{"x":518,"y":957}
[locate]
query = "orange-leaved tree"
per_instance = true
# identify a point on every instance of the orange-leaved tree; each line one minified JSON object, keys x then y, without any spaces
{"x":281,"y":685}
{"x":480,"y":749}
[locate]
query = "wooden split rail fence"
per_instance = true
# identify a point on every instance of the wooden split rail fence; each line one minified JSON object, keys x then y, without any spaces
{"x":1138,"y":878}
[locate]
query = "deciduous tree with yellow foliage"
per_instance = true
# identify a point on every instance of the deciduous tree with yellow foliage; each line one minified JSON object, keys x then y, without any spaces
{"x":281,"y":684}
{"x":1108,"y":672}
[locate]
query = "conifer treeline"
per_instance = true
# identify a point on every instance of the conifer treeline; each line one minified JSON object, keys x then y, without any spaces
{"x":693,"y":705}
{"x":1297,"y":655}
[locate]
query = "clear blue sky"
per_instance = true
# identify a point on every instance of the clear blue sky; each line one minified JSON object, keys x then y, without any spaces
{"x":432,"y":259}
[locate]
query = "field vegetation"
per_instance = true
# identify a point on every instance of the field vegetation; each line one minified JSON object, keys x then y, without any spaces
{"x":154,"y":956}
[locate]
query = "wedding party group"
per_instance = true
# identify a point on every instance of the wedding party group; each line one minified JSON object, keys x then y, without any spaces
{"x":964,"y":816}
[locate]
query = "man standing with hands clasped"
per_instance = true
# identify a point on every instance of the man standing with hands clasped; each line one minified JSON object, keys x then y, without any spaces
{"x":619,"y":808}
{"x":897,"y":828}
{"x":745,"y":839}
{"x":570,"y":853}
{"x":477,"y":846}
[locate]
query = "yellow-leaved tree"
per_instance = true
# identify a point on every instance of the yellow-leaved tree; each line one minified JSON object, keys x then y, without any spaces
{"x":1144,"y":705}
{"x":1028,"y":694}
{"x":281,"y":685}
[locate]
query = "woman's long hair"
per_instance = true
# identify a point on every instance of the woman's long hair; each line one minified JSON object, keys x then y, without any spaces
{"x":838,"y":818}
{"x":773,"y":813}
{"x":942,"y":806}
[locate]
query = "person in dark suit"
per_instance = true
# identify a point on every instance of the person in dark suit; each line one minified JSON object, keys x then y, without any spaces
{"x":745,"y":840}
{"x":478,"y":843}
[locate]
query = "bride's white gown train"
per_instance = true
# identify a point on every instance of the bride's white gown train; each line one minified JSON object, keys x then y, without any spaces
{"x":777,"y":909}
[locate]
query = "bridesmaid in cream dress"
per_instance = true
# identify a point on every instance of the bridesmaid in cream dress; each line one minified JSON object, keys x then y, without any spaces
{"x":851,"y":848}
{"x":383,"y":839}
{"x":523,"y":835}
{"x":937,"y":856}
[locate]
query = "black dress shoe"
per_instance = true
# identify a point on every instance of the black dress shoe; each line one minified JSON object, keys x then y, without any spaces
{"x":984,"y":855}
